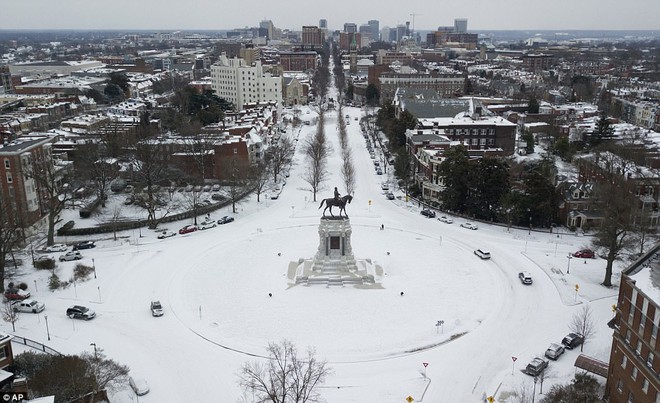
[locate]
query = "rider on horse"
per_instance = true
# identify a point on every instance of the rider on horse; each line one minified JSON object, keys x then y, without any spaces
{"x":337,"y":194}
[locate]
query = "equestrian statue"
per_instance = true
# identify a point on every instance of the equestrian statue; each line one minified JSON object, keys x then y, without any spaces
{"x":336,"y":201}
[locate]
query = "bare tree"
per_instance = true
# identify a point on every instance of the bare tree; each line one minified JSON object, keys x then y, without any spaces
{"x":259,"y":177}
{"x":316,"y":152}
{"x":200,"y":147}
{"x":286,"y":377}
{"x":106,"y":372}
{"x":280,"y":156}
{"x":93,"y":164}
{"x":9,"y":237}
{"x":49,"y":178}
{"x":348,"y":173}
{"x":192,"y":202}
{"x":150,"y":170}
{"x":584,"y":324}
{"x":9,"y":314}
{"x":236,"y":177}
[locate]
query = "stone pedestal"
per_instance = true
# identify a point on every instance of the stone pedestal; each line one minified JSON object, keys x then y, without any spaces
{"x":334,"y":263}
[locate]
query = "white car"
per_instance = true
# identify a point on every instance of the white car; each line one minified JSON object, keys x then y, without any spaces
{"x":445,"y":219}
{"x":58,"y":247}
{"x":73,"y":255}
{"x":385,"y":186}
{"x":206,"y":224}
{"x":166,"y":234}
{"x":469,"y":225}
{"x":29,"y":306}
{"x":482,"y":254}
{"x":139,"y":385}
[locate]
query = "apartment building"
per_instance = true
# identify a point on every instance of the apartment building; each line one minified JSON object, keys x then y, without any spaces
{"x":241,"y":84}
{"x":634,"y":367}
{"x":446,"y":85}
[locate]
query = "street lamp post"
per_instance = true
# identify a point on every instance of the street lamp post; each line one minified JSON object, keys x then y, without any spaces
{"x":94,"y":267}
{"x":96,"y":357}
{"x":568,"y":269}
{"x":47,"y":330}
{"x":536,"y":379}
{"x":530,"y":222}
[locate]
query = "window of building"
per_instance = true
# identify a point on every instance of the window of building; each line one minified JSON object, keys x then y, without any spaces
{"x":645,"y":386}
{"x":3,"y":353}
{"x":638,"y":350}
{"x":624,"y":361}
{"x":628,"y":333}
{"x":657,"y":397}
{"x":634,"y":373}
{"x":619,"y":386}
{"x":10,"y":179}
{"x":649,"y":359}
{"x":7,"y":164}
{"x":631,"y":399}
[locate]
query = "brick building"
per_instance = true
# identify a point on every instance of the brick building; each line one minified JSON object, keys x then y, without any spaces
{"x":634,"y":360}
{"x":312,"y":37}
{"x":298,"y":61}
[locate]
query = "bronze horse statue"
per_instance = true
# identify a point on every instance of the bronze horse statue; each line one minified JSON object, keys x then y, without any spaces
{"x":341,"y":203}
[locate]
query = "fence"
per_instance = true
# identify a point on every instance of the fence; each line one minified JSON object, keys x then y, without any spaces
{"x":34,"y":345}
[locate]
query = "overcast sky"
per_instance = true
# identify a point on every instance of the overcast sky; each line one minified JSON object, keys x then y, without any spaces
{"x":293,"y":14}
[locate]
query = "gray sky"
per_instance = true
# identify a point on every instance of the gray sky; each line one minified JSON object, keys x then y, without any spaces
{"x":293,"y":14}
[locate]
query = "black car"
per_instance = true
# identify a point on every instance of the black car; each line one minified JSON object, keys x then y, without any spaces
{"x":80,"y":312}
{"x":428,"y":213}
{"x":84,"y":245}
{"x":225,"y":220}
{"x":572,"y":340}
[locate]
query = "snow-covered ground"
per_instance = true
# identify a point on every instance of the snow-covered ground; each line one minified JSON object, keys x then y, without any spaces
{"x":215,"y":286}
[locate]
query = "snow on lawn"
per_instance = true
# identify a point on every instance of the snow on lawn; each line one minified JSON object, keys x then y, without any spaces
{"x":215,"y":285}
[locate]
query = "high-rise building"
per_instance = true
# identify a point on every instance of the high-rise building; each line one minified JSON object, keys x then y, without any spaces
{"x":243,"y":84}
{"x":323,"y":23}
{"x":312,"y":37}
{"x":350,"y":27}
{"x":365,"y":31}
{"x":460,"y":25}
{"x":269,"y":27}
{"x":375,"y":28}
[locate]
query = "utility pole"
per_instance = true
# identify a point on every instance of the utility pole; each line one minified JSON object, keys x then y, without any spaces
{"x":413,"y":23}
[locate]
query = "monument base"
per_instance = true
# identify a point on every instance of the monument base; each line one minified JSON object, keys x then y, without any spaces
{"x":364,"y":273}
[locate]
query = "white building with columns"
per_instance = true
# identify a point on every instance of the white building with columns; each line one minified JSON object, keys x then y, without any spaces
{"x":241,"y":84}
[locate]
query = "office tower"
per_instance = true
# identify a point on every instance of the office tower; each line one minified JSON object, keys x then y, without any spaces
{"x":460,"y":25}
{"x":350,"y":28}
{"x":375,"y":27}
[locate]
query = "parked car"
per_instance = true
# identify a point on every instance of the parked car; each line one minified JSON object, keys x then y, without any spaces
{"x":29,"y":306}
{"x":215,"y":188}
{"x":72,"y":255}
{"x":379,"y":171}
{"x":554,"y":351}
{"x":188,"y":188}
{"x":197,"y":188}
{"x":427,"y":213}
{"x":390,"y":196}
{"x":445,"y":219}
{"x":385,"y":186}
{"x":572,"y":340}
{"x":156,"y":308}
{"x":217,"y":196}
{"x":206,"y":224}
{"x":80,"y":312}
{"x":525,"y":277}
{"x":166,"y":234}
{"x":58,"y":247}
{"x":469,"y":225}
{"x":16,"y":294}
{"x":139,"y":385}
{"x":225,"y":220}
{"x":482,"y":254}
{"x":129,"y":188}
{"x":585,"y":253}
{"x":129,"y":200}
{"x":206,"y":188}
{"x":536,"y":366}
{"x":84,"y":245}
{"x":43,"y":259}
{"x":188,"y":229}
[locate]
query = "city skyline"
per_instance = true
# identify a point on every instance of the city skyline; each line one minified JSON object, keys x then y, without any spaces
{"x":426,"y":15}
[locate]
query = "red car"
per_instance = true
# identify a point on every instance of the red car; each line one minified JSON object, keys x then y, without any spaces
{"x":585,"y":253}
{"x":187,"y":229}
{"x":16,"y":295}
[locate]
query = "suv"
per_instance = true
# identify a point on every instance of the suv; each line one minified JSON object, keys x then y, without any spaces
{"x":554,"y":351}
{"x":525,"y":277}
{"x":572,"y":340}
{"x":156,"y":308}
{"x":72,"y":255}
{"x":80,"y":312}
{"x":427,"y":213}
{"x":206,"y":224}
{"x":482,"y":254}
{"x":536,"y":366}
